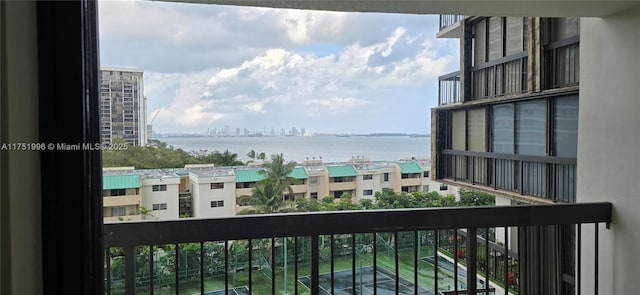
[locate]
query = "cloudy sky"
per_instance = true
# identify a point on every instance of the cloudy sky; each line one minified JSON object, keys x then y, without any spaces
{"x":206,"y":66}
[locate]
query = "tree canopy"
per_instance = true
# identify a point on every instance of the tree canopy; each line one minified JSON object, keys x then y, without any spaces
{"x":160,"y":155}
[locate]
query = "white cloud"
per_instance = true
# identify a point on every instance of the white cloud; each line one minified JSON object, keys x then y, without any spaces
{"x":212,"y":65}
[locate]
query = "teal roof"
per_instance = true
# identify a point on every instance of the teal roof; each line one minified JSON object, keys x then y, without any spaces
{"x":341,"y":171}
{"x":120,"y":181}
{"x":410,"y":167}
{"x":248,"y":175}
{"x":299,"y":173}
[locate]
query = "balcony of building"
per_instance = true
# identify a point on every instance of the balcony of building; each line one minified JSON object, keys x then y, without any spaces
{"x":394,"y":251}
{"x":449,"y":26}
{"x":124,"y":200}
{"x":529,"y":178}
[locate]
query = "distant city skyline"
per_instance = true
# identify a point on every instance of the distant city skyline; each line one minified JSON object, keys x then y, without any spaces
{"x":207,"y":66}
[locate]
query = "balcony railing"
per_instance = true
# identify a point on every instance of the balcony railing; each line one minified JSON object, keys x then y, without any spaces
{"x":449,"y":19}
{"x":449,"y":88}
{"x":562,"y":59}
{"x":552,"y":178}
{"x":503,"y":76}
{"x":463,"y":250}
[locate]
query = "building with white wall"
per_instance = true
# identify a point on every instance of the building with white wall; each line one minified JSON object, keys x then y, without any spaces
{"x":213,"y":192}
{"x":160,"y":191}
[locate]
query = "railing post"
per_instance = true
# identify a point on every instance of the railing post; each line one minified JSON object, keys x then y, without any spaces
{"x":472,"y":257}
{"x":129,"y":270}
{"x":315,"y":262}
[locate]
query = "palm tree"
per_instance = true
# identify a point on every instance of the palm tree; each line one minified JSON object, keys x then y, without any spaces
{"x":144,"y":212}
{"x":279,"y":173}
{"x":266,"y":197}
{"x":252,"y":155}
{"x":226,"y":158}
{"x":262,"y":156}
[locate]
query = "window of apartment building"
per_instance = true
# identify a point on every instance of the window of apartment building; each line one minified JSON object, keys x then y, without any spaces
{"x":314,"y":195}
{"x":563,"y":28}
{"x":367,"y":192}
{"x":217,"y":185}
{"x":425,"y":174}
{"x":531,"y":127}
{"x":159,"y":188}
{"x":216,"y":204}
{"x":404,"y":175}
{"x":496,"y":37}
{"x":443,"y":187}
{"x":367,"y":177}
{"x":118,"y":211}
{"x":425,"y":188}
{"x":313,"y":180}
{"x":459,"y":130}
{"x":565,"y":123}
{"x":161,"y":206}
{"x":385,"y":177}
{"x":118,"y":192}
{"x":503,"y":129}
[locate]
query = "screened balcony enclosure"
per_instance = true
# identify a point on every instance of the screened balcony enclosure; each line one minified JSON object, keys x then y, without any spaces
{"x":404,"y":251}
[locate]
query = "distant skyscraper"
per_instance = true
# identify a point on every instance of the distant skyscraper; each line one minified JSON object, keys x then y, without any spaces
{"x":302,"y":131}
{"x":123,"y":106}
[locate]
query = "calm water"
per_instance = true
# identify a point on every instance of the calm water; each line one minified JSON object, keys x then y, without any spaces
{"x":330,"y":148}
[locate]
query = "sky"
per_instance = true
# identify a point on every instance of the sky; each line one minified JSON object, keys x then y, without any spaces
{"x":207,"y":66}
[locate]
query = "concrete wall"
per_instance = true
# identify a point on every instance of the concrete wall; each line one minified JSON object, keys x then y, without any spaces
{"x":203,"y":195}
{"x":609,"y":147}
{"x":170,"y":197}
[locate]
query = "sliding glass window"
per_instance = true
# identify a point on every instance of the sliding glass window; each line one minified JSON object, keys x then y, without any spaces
{"x":503,"y":142}
{"x":531,"y":127}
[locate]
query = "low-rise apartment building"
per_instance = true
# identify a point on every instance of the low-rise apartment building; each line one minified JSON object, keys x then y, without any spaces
{"x":208,"y":191}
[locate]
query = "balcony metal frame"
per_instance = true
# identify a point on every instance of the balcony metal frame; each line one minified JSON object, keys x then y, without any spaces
{"x":314,"y":225}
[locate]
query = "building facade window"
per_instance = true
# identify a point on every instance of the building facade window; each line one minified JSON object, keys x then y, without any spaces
{"x":118,"y":211}
{"x":385,"y":177}
{"x":367,"y":192}
{"x":313,"y":180}
{"x":314,"y":195}
{"x":425,"y":174}
{"x":160,"y":206}
{"x":443,"y":187}
{"x":425,"y":188}
{"x":531,"y":125}
{"x":217,"y":185}
{"x":118,"y":192}
{"x":159,"y":188}
{"x":367,"y":177}
{"x":217,"y":204}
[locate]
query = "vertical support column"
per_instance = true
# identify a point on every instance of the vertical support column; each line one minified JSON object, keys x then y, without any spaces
{"x":315,"y":262}
{"x":466,"y":56}
{"x":534,"y":50}
{"x":472,"y":257}
{"x":434,"y":143}
{"x":129,"y":270}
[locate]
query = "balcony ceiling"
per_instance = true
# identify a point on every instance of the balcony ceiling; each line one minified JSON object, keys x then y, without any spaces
{"x":477,"y":7}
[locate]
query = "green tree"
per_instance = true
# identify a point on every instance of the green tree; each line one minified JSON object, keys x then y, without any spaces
{"x":278,"y":171}
{"x":262,"y":156}
{"x":252,"y":155}
{"x":346,"y":202}
{"x":144,"y":212}
{"x":266,"y":197}
{"x":226,"y":158}
{"x":475,"y":198}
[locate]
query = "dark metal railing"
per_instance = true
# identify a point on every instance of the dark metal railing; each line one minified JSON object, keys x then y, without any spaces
{"x":449,"y":19}
{"x":438,"y":250}
{"x":503,"y":76}
{"x":562,"y":63}
{"x":449,"y":88}
{"x":552,"y":178}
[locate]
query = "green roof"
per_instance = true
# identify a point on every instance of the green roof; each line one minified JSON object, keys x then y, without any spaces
{"x":120,"y":181}
{"x":410,"y":167}
{"x":341,"y":171}
{"x":299,"y":173}
{"x":248,"y":175}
